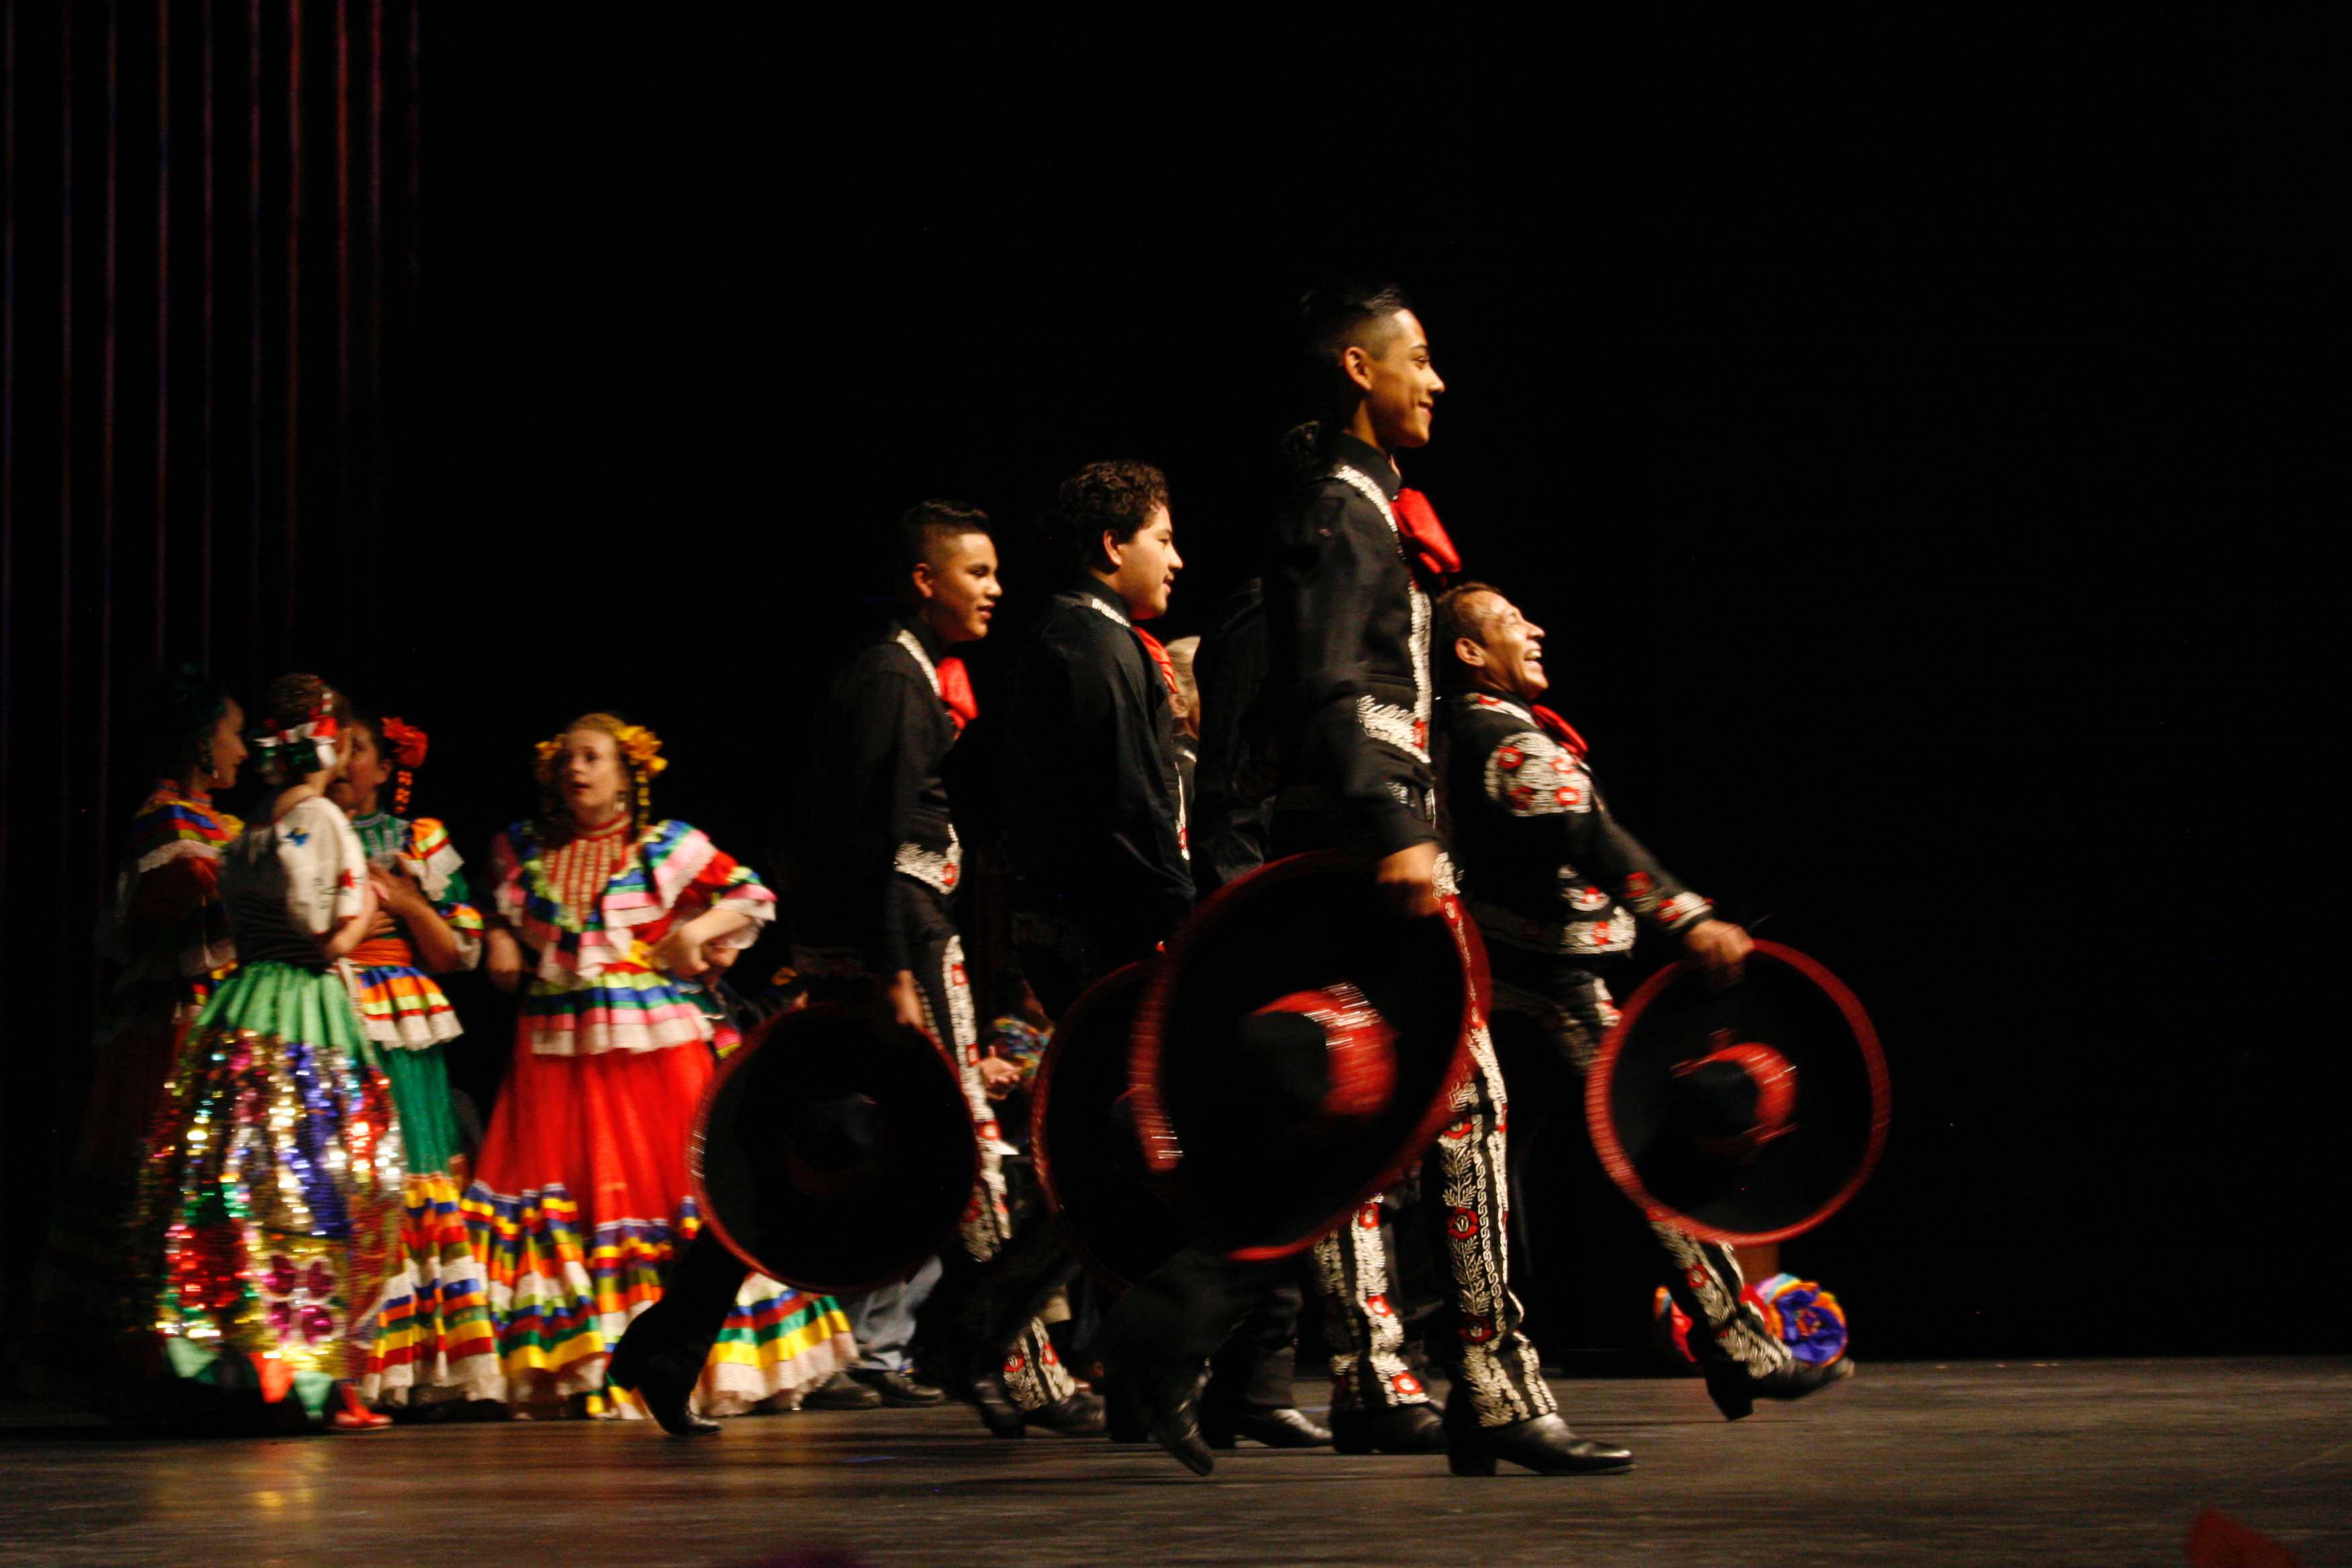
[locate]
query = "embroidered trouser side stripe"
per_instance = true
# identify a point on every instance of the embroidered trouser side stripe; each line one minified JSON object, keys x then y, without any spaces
{"x":1464,"y":1192}
{"x":1572,"y":1006}
{"x":1032,"y":1369}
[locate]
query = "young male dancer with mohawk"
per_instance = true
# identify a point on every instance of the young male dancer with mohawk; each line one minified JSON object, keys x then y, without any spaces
{"x":1348,"y":613}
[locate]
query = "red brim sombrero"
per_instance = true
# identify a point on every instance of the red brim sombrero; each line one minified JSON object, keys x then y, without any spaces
{"x":1744,"y":1116}
{"x":831,"y":1157}
{"x":1104,"y":1202}
{"x":1299,"y":968}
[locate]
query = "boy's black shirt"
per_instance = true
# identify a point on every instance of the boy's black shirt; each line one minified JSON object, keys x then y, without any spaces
{"x":1348,"y":627}
{"x":1093,"y":796}
{"x":876,"y":823}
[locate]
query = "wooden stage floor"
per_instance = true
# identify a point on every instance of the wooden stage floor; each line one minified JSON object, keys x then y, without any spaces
{"x":2088,"y":1462}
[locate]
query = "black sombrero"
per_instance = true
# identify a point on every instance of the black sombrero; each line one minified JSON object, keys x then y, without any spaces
{"x":1297,"y":1049}
{"x":1115,"y":1216}
{"x":1744,"y":1116}
{"x":833,"y":1158}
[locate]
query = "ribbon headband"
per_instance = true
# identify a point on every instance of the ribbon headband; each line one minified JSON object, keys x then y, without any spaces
{"x":281,"y":757}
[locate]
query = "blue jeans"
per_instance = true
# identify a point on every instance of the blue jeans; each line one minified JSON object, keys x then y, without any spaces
{"x":884,"y":1319}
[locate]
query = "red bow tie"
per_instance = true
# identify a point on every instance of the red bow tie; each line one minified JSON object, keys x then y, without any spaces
{"x":1418,"y":520}
{"x":1560,"y":729}
{"x":1159,"y":652}
{"x":955,"y":691}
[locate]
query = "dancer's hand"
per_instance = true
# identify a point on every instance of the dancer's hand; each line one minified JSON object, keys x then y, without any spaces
{"x":396,"y":891}
{"x":502,"y":956}
{"x":998,"y":1077}
{"x":901,"y":1005}
{"x":1720,"y":950}
{"x":680,"y":952}
{"x":1408,"y":880}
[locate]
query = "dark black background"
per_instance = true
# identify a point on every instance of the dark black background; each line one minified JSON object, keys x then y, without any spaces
{"x":1906,"y":431}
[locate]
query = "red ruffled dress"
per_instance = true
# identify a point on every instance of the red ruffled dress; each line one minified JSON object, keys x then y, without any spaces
{"x":581,"y":1196}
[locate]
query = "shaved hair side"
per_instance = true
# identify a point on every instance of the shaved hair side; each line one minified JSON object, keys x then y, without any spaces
{"x":924,"y":532}
{"x":1341,"y":313}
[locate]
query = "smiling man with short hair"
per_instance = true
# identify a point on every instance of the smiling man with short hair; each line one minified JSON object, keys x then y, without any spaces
{"x":1558,"y":888}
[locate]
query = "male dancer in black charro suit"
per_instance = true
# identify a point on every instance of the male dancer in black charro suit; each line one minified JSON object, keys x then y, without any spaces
{"x":1097,"y":832}
{"x":1347,"y":620}
{"x":882,"y":858}
{"x":1556,"y":885}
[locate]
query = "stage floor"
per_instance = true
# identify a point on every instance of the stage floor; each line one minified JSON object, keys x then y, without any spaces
{"x":2086,"y":1462}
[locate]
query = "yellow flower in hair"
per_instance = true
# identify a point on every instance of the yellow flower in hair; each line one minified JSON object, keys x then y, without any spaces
{"x":644,"y":749}
{"x":638,"y":744}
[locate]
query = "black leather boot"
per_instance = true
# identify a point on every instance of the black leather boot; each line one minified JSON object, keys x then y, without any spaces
{"x":1736,"y":1390}
{"x":1283,"y":1428}
{"x":1075,"y":1414}
{"x":1544,"y":1445}
{"x":1169,"y":1406}
{"x":997,"y":1411}
{"x":1395,"y":1429}
{"x":662,"y":1377}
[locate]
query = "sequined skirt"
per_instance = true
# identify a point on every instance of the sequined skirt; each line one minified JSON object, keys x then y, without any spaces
{"x":272,"y":1200}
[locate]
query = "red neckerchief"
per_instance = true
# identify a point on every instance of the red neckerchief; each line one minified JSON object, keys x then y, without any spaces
{"x":1152,"y":645}
{"x":955,"y":691}
{"x":1417,"y":520}
{"x":1560,"y":729}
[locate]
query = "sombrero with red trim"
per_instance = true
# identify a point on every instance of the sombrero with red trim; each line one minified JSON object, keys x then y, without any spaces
{"x":833,"y":1158}
{"x":1743,"y":1116}
{"x":1297,"y":1048}
{"x":1115,"y":1215}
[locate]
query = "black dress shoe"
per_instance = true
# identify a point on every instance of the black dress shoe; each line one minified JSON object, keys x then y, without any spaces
{"x":1543,"y":1443}
{"x":667,"y":1389}
{"x":1396,"y":1429}
{"x":898,"y":1388}
{"x":1281,"y":1427}
{"x":997,"y":1411}
{"x":1169,"y":1407}
{"x":1078,"y":1415}
{"x":842,"y":1391}
{"x":1735,"y":1391}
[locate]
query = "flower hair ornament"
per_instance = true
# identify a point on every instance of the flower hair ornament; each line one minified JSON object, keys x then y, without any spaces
{"x":640,"y":751}
{"x":405,"y":743}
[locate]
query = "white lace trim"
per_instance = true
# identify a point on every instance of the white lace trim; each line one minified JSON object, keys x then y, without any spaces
{"x":1370,"y":489}
{"x":936,"y":869}
{"x":914,"y":646}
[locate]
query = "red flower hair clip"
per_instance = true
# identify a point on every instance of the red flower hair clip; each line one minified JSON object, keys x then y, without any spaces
{"x":405,"y":741}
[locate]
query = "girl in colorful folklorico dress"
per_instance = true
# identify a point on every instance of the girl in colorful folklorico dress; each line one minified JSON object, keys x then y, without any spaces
{"x":432,"y":1343}
{"x":275,"y":1189}
{"x":582,"y":1198}
{"x":85,"y":1336}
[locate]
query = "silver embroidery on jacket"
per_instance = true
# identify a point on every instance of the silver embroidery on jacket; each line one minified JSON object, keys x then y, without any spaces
{"x":936,"y":869}
{"x":1388,"y":723}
